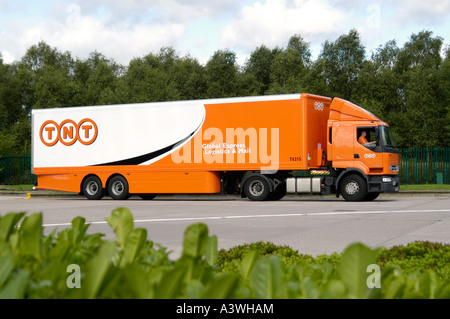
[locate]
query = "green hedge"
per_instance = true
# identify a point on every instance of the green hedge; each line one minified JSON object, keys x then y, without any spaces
{"x":72,"y":263}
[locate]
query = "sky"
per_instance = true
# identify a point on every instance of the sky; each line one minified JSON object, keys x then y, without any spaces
{"x":123,"y":30}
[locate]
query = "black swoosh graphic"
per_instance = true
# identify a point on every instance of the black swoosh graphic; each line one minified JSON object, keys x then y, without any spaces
{"x":147,"y":157}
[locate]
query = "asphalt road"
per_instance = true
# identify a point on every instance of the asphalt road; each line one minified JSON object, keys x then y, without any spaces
{"x":310,"y":224}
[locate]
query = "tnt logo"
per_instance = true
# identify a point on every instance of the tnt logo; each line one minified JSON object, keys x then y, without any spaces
{"x":68,"y":132}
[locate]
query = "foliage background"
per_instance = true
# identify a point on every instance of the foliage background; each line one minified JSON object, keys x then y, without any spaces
{"x":408,"y":86}
{"x":73,"y":263}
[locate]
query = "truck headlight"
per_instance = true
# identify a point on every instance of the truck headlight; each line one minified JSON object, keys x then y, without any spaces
{"x":387,"y":179}
{"x":394,"y":168}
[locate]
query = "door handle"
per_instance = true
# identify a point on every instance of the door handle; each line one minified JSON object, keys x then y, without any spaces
{"x":356,"y":155}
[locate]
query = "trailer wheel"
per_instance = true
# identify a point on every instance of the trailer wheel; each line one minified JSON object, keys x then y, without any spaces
{"x":92,"y":188}
{"x":353,"y":188}
{"x":147,"y":196}
{"x":118,"y":187}
{"x":257,"y":188}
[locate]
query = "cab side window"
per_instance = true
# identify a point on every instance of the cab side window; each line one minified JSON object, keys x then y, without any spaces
{"x":367,"y":136}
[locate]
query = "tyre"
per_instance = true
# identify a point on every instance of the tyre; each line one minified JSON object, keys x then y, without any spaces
{"x":92,"y":188}
{"x":257,"y":188}
{"x":118,"y":188}
{"x":353,"y":188}
{"x":147,"y":196}
{"x":279,"y":192}
{"x":371,"y":196}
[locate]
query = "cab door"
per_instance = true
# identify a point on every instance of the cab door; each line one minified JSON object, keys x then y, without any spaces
{"x":368,"y":153}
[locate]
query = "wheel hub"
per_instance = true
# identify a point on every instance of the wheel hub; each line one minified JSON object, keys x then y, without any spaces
{"x":352,"y":188}
{"x":117,"y":188}
{"x":256,"y":188}
{"x":92,"y":188}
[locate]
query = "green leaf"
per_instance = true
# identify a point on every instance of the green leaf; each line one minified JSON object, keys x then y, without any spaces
{"x":335,"y":289}
{"x":309,"y":289}
{"x":211,"y":250}
{"x":79,"y":227}
{"x":122,"y":223}
{"x":133,"y":245}
{"x":7,"y":224}
{"x":428,"y":284}
{"x":6,"y":268}
{"x":96,"y":270}
{"x":31,"y":236}
{"x":353,"y":269}
{"x":247,"y":263}
{"x":195,"y":240}
{"x":171,"y":284}
{"x":16,"y":286}
{"x":223,"y":287}
{"x":444,"y":292}
{"x":137,"y":278}
{"x":266,"y":278}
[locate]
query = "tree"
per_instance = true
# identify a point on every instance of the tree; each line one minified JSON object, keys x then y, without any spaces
{"x":290,"y":67}
{"x":376,"y":87}
{"x":260,"y":65}
{"x":422,"y":119}
{"x":96,"y":81}
{"x":4,"y":75}
{"x":422,"y":50}
{"x":187,"y":75}
{"x":222,"y":74}
{"x":341,"y":62}
{"x":45,"y":74}
{"x":189,"y":78}
{"x":14,"y":120}
{"x":147,"y":81}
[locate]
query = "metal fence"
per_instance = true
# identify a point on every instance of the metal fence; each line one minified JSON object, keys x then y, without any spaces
{"x":16,"y":170}
{"x":425,"y":165}
{"x":417,"y":166}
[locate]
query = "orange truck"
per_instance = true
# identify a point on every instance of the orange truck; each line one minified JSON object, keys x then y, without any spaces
{"x":255,"y":146}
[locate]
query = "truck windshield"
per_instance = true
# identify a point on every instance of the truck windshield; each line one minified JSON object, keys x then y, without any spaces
{"x":387,"y":139}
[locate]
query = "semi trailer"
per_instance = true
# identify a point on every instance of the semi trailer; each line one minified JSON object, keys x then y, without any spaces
{"x":259,"y":147}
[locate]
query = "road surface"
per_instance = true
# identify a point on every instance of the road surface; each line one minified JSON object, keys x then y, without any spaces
{"x":312,"y":225}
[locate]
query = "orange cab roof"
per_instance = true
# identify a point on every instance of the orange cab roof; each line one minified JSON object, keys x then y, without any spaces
{"x":343,"y":110}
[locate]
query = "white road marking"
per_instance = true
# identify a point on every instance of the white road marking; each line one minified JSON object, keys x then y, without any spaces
{"x":155,"y":220}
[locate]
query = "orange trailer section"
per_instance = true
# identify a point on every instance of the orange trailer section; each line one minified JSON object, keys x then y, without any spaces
{"x":274,"y":134}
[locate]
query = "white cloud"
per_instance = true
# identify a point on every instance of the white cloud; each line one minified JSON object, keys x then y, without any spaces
{"x":121,"y":41}
{"x":430,"y":12}
{"x":173,"y":11}
{"x":272,"y":23}
{"x":81,"y":34}
{"x":125,"y":29}
{"x":120,"y":30}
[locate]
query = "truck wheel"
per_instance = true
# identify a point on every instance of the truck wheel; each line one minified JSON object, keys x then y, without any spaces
{"x":279,"y":192}
{"x":353,"y":188}
{"x":147,"y":196}
{"x":371,"y":196}
{"x":257,"y":188}
{"x":118,"y":187}
{"x":92,"y":188}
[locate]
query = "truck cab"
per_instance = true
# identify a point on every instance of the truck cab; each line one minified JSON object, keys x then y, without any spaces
{"x":361,"y":152}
